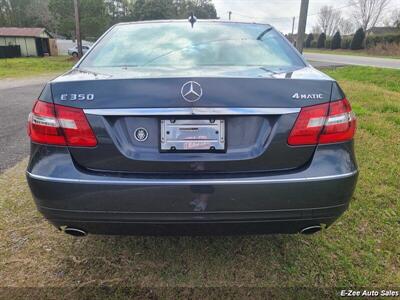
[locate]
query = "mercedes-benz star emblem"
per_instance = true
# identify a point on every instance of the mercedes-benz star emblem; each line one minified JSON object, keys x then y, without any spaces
{"x":191,"y":91}
{"x":141,"y":134}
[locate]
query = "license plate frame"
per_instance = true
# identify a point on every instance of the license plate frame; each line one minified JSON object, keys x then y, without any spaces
{"x":192,"y":135}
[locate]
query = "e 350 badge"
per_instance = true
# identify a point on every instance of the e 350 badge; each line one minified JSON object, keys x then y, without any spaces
{"x":76,"y":97}
{"x":299,"y":96}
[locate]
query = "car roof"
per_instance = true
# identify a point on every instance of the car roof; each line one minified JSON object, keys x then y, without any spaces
{"x":216,"y":21}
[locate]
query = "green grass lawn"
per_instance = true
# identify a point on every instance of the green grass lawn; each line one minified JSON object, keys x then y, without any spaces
{"x":32,"y":66}
{"x":348,"y":52}
{"x":387,"y":79}
{"x":362,"y":249}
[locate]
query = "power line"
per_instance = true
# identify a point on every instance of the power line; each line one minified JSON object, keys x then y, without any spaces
{"x":255,"y":18}
{"x":309,"y":15}
{"x":284,"y":18}
{"x":338,"y":8}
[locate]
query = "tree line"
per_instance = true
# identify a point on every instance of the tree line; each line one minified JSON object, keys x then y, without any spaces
{"x":355,"y":42}
{"x":97,"y":15}
{"x":332,"y":31}
{"x":365,"y":14}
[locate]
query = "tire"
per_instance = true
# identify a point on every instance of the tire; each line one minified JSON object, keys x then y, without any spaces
{"x":75,"y":55}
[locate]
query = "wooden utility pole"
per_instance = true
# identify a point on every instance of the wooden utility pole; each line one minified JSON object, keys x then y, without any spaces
{"x":230,"y":14}
{"x":78,"y":28}
{"x":292,"y":37}
{"x":301,"y":32}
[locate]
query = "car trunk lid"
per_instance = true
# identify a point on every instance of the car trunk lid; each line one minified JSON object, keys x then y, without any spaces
{"x":258,"y":110}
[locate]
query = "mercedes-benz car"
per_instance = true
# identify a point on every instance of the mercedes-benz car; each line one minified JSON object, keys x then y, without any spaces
{"x":176,"y":127}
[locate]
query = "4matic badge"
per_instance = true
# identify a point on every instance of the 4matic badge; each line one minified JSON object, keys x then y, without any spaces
{"x":299,"y":96}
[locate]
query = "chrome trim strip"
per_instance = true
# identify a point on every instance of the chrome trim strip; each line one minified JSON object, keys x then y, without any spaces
{"x":191,"y":181}
{"x":187,"y":111}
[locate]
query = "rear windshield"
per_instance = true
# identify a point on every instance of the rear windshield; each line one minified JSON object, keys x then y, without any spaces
{"x":177,"y":44}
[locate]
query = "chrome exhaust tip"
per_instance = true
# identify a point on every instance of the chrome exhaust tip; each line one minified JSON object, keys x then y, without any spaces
{"x":311,"y":229}
{"x":74,"y":231}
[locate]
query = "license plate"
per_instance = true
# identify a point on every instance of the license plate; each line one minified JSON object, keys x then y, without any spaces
{"x":193,"y":135}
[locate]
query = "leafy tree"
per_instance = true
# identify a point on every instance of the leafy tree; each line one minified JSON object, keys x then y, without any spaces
{"x":310,"y":38}
{"x":336,"y":41}
{"x":321,"y":40}
{"x":153,"y":10}
{"x":358,"y":40}
{"x":25,"y":13}
{"x":63,"y":14}
{"x":118,"y":10}
{"x":13,"y":12}
{"x":93,"y":16}
{"x":97,"y":15}
{"x":202,"y":9}
{"x":172,"y":9}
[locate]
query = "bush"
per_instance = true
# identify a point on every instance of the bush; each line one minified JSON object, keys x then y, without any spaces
{"x":374,"y":40}
{"x":385,"y":49}
{"x":328,"y":43}
{"x":336,"y":41}
{"x":321,"y":40}
{"x":345,"y":44}
{"x":309,"y":39}
{"x":358,"y":40}
{"x":314,"y":44}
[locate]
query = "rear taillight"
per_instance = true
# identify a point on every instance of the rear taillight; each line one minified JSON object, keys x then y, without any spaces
{"x":60,"y":125}
{"x":323,"y":124}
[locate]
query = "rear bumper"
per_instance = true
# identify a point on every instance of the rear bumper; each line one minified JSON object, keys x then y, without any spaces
{"x":122,"y":204}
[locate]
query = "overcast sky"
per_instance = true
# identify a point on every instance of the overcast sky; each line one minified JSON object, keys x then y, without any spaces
{"x":279,"y":13}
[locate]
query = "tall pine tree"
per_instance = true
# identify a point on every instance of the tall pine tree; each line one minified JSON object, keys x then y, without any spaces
{"x":336,"y":41}
{"x":358,"y":40}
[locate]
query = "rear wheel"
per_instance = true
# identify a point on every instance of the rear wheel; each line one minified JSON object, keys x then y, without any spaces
{"x":75,"y":55}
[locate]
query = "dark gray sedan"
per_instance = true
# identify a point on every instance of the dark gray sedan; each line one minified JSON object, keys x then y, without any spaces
{"x":170,"y":127}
